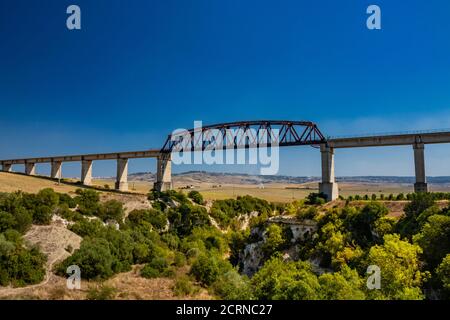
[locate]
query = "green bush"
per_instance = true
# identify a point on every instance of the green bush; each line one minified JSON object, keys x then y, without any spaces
{"x":104,"y":292}
{"x":233,"y":286}
{"x":152,"y":217}
{"x":224,"y":211}
{"x":94,"y":258}
{"x":87,"y":228}
{"x":278,"y":279}
{"x":186,"y":217}
{"x":316,"y":199}
{"x":196,"y":197}
{"x":207,"y":268}
{"x":88,"y":201}
{"x":158,"y":267}
{"x":64,"y":198}
{"x":443,"y":274}
{"x":111,"y":210}
{"x":434,"y":239}
{"x":184,"y":287}
{"x":19,"y":266}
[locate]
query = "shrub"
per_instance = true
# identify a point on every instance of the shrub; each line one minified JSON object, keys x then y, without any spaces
{"x":88,"y":201}
{"x":155,"y":218}
{"x":278,"y":279}
{"x":42,"y":214}
{"x":434,"y":239}
{"x":179,"y":260}
{"x":104,"y":292}
{"x":64,"y":198}
{"x":94,"y":259}
{"x":196,"y":197}
{"x":186,"y":217}
{"x":443,"y":274}
{"x":273,"y":239}
{"x":309,"y":213}
{"x":316,"y":198}
{"x":47,"y":197}
{"x":111,"y":210}
{"x":184,"y":287}
{"x":233,"y":286}
{"x":207,"y":268}
{"x":224,"y":211}
{"x":7,"y":221}
{"x":87,"y":228}
{"x":158,"y":267}
{"x":19,"y":266}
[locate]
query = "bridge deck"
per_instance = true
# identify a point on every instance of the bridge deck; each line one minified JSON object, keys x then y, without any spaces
{"x":390,"y":140}
{"x":349,"y":142}
{"x":97,"y":156}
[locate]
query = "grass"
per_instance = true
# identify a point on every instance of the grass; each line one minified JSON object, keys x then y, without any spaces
{"x":10,"y":182}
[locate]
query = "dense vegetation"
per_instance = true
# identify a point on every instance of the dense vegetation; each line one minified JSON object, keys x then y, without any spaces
{"x":178,"y":238}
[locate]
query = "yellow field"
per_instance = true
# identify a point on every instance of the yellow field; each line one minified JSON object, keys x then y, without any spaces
{"x":10,"y":182}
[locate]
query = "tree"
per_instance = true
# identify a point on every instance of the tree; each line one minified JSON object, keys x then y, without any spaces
{"x":443,"y":274}
{"x":7,"y":221}
{"x":47,"y":197}
{"x":281,"y":280}
{"x":94,"y":259}
{"x":157,"y":267}
{"x":434,"y":239}
{"x":196,"y":197}
{"x":186,"y":217}
{"x":361,"y":223}
{"x":409,"y":225}
{"x":343,"y":285}
{"x":88,"y":201}
{"x":316,"y":198}
{"x":273,"y":239}
{"x":207,"y":268}
{"x":399,"y":264}
{"x":232,"y":286}
{"x":111,"y":210}
{"x":42,"y":214}
{"x":19,"y":266}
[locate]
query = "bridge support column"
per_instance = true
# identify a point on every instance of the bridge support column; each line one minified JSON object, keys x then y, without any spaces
{"x":163,"y":173}
{"x":6,"y":167}
{"x":30,"y":168}
{"x":86,"y":172}
{"x":122,"y":175}
{"x":419,"y":163}
{"x":56,"y":170}
{"x":328,"y":186}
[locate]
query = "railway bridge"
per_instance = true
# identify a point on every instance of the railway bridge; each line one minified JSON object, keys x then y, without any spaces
{"x":244,"y":134}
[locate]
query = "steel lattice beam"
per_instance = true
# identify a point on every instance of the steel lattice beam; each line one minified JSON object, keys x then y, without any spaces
{"x":245,"y":134}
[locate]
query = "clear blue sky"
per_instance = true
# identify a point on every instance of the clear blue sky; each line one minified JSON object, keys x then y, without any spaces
{"x":139,"y":69}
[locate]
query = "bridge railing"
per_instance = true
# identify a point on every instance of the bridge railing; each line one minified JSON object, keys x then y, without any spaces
{"x":393,"y":133}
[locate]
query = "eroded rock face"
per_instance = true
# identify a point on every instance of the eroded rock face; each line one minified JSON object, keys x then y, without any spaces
{"x":251,"y":258}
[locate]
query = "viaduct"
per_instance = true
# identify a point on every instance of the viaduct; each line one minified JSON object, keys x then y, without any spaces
{"x":283,"y":133}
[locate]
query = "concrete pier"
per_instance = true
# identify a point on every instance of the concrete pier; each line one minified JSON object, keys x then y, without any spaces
{"x":163,"y":173}
{"x":419,"y":164}
{"x":6,"y":167}
{"x":86,"y":172}
{"x":56,"y":170}
{"x":122,"y":175}
{"x":328,"y":186}
{"x":30,"y":168}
